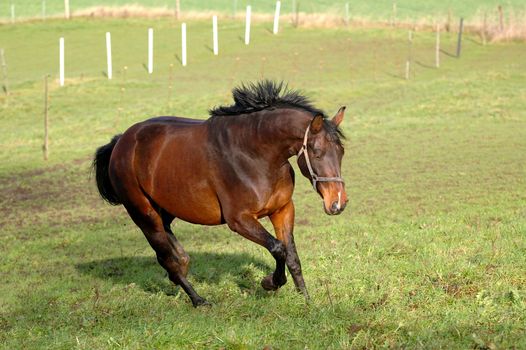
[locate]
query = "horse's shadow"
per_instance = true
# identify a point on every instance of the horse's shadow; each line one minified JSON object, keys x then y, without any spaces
{"x":244,"y":269}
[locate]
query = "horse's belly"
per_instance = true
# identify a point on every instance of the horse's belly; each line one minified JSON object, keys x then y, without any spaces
{"x":197,"y":212}
{"x":200,"y":213}
{"x":189,"y":200}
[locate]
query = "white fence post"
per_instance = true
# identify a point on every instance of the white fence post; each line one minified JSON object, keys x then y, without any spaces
{"x":66,"y":9}
{"x":12,"y":13}
{"x":215,"y":35}
{"x":247,"y":25}
{"x":409,"y":56}
{"x":108,"y":54}
{"x":61,"y":61}
{"x":150,"y":50}
{"x":276,"y":17}
{"x":43,"y":9}
{"x":183,"y":43}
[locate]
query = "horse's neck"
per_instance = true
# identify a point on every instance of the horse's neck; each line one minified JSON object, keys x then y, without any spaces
{"x":271,"y":135}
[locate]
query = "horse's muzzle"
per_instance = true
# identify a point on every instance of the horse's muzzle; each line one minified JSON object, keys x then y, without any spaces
{"x":336,"y":208}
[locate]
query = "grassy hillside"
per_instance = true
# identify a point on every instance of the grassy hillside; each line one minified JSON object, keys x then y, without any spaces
{"x":431,"y":252}
{"x":381,"y":9}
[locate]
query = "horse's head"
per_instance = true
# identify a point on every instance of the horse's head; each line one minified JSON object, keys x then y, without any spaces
{"x":320,"y":160}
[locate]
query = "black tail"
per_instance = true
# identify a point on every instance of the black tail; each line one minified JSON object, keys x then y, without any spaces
{"x":100,"y":165}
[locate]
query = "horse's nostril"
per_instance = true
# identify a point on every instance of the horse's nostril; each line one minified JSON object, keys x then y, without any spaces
{"x":334,"y":206}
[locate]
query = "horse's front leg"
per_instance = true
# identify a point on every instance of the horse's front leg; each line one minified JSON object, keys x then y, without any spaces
{"x":249,"y":227}
{"x":283,"y":222}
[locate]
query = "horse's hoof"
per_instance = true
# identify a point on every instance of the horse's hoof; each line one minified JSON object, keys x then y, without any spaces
{"x":201,"y":302}
{"x":303,"y":291}
{"x":268,"y":283}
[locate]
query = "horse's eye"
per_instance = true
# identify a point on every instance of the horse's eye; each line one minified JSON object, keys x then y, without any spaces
{"x":317,"y":153}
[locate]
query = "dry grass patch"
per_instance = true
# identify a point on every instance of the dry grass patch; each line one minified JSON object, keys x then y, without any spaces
{"x":489,"y":26}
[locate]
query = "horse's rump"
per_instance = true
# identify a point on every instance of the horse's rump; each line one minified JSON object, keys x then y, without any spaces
{"x":167,"y":158}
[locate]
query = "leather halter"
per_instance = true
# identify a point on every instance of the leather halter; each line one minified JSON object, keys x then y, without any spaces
{"x":315,"y":178}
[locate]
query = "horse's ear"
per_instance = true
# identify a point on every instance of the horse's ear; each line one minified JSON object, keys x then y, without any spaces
{"x":316,"y":124}
{"x":337,"y":119}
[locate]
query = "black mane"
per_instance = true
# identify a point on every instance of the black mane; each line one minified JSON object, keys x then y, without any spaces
{"x":253,"y":97}
{"x":267,"y":94}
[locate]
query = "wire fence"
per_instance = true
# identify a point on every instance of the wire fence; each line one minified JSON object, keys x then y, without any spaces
{"x":43,"y":56}
{"x":133,"y":60}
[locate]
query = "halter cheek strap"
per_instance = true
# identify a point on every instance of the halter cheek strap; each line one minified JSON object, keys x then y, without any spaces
{"x":315,"y":178}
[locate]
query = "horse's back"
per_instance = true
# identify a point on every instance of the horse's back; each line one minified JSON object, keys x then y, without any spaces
{"x":166,"y":158}
{"x":174,"y":120}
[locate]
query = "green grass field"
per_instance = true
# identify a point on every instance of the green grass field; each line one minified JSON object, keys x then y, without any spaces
{"x":379,"y":9}
{"x":431,"y":252}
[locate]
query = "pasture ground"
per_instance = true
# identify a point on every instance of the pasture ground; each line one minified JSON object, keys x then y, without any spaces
{"x":431,"y":252}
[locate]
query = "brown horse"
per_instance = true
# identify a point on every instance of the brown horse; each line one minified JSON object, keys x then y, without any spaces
{"x":232,"y":168}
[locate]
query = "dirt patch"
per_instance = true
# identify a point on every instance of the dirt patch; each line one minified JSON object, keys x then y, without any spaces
{"x":58,"y":195}
{"x":354,"y":329}
{"x":380,"y":302}
{"x":31,"y":174}
{"x":304,"y":222}
{"x":455,"y":286}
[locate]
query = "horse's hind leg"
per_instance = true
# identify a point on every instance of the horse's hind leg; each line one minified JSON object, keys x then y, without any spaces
{"x":184,"y":259}
{"x":170,"y":253}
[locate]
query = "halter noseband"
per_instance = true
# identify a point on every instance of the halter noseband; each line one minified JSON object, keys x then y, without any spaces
{"x":315,"y":178}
